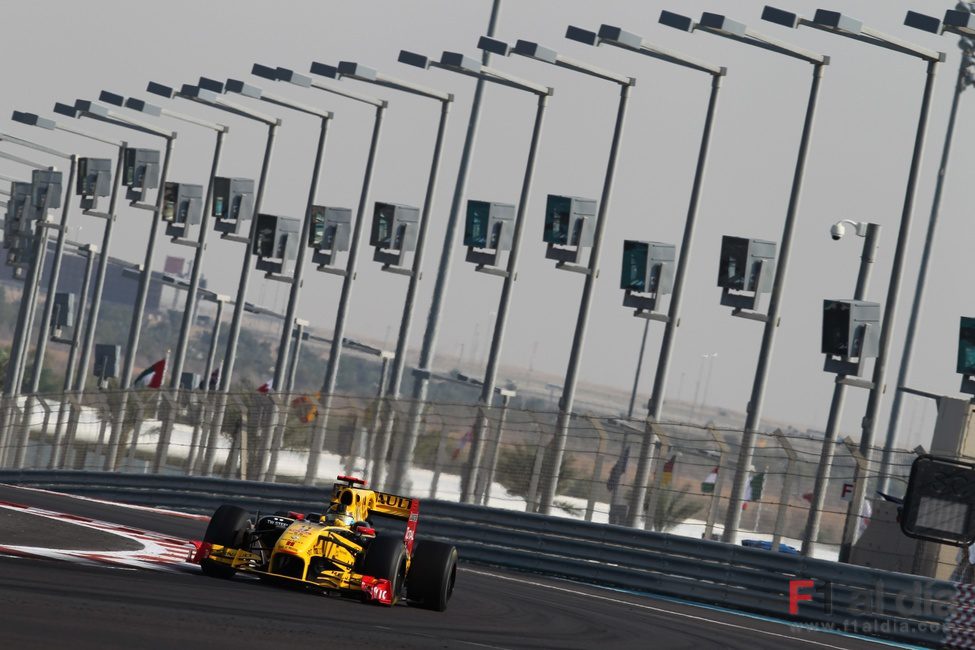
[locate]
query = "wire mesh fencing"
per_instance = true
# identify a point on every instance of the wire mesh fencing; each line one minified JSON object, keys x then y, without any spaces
{"x":267,"y":436}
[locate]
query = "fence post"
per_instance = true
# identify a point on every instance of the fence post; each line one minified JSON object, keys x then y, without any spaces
{"x":859,"y":487}
{"x":664,"y":444}
{"x":532,"y":495}
{"x":790,"y":452}
{"x":597,"y":467}
{"x":716,"y":496}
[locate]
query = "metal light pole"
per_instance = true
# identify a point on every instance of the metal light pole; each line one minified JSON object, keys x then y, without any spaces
{"x":962,"y":23}
{"x":614,"y":36}
{"x":80,"y":375}
{"x":871,"y":233}
{"x":428,"y":350}
{"x":363,"y":73}
{"x":208,"y":97}
{"x":567,"y":402}
{"x":25,"y":314}
{"x":56,"y":451}
{"x":189,"y":308}
{"x":43,"y":333}
{"x":836,"y":23}
{"x":458,"y":63}
{"x":296,"y":280}
{"x":100,"y":113}
{"x":721,"y":26}
{"x":349,"y":272}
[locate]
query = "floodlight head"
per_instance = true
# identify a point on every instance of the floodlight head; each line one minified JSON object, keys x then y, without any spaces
{"x":143,"y":107}
{"x":581,"y":35}
{"x":461,"y":62}
{"x":264,"y":71}
{"x":33,"y":120}
{"x":286,"y":74}
{"x":160,"y":89}
{"x":836,"y":21}
{"x":212,"y":85}
{"x":617,"y":35}
{"x":241,"y":88}
{"x":66,"y":109}
{"x":199,"y":93}
{"x":353,"y":69}
{"x":414,"y":59}
{"x":720,"y":23}
{"x":325,"y":70}
{"x":536,"y":51}
{"x":962,"y":21}
{"x":923,"y":22}
{"x":493,"y":45}
{"x":780,"y":17}
{"x":90,"y":107}
{"x":677,"y":21}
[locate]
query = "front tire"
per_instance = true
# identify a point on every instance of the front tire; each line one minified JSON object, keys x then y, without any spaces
{"x":228,"y":527}
{"x":432,"y":575}
{"x":386,"y":559}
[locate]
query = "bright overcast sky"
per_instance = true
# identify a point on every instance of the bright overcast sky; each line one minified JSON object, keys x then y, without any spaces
{"x":858,"y":164}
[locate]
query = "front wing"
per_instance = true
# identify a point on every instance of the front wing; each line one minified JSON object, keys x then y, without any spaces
{"x":374,"y":589}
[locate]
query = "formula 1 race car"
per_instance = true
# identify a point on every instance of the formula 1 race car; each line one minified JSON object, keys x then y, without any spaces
{"x":335,"y":552}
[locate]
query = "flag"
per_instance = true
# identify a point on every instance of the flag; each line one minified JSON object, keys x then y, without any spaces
{"x":616,"y":473}
{"x":668,"y":476}
{"x":151,"y":377}
{"x":707,"y":487}
{"x":266,"y":387}
{"x":466,"y":440}
{"x":755,"y":487}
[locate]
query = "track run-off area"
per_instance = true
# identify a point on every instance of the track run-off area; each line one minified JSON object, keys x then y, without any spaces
{"x":76,"y":573}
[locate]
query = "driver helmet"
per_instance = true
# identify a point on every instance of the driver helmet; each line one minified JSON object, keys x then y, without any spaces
{"x":337,"y":515}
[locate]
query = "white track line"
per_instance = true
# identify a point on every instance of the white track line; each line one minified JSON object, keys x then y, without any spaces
{"x":157,"y":552}
{"x":669,"y":612}
{"x":131,"y":506}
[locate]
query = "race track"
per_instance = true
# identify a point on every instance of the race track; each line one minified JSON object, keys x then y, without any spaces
{"x":54,"y":604}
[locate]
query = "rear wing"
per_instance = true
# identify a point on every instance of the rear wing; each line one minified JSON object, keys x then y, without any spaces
{"x":392,"y":505}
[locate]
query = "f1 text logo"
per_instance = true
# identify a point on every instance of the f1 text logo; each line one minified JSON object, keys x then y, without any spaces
{"x":803,"y":591}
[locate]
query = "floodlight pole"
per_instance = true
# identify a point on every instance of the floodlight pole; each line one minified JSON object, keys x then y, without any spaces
{"x":567,"y":402}
{"x":890,"y":312}
{"x":135,"y":328}
{"x":189,"y":308}
{"x":501,"y":320}
{"x":428,"y":350}
{"x":211,"y":99}
{"x":406,"y":322}
{"x":721,"y":26}
{"x":43,"y":333}
{"x":338,"y":332}
{"x":755,"y":404}
{"x":964,"y":81}
{"x":867,"y":258}
{"x":69,"y":371}
{"x":100,"y":273}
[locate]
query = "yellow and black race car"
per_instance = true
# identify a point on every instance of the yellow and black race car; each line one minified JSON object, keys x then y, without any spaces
{"x":335,"y":552}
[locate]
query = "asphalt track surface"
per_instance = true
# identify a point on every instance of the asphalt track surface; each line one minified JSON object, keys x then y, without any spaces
{"x":52,"y":604}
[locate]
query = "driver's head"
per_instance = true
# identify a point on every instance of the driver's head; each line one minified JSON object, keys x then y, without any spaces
{"x":338,"y":515}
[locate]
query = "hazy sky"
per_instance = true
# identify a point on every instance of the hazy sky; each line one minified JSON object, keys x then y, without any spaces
{"x":858,"y":164}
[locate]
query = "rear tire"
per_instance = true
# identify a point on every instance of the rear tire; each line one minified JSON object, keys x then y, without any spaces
{"x":386,"y":559}
{"x":228,"y":527}
{"x":432,"y":575}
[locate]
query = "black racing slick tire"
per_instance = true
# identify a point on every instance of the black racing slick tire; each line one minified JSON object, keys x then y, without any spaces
{"x":386,"y":558}
{"x":228,"y":527}
{"x":432,"y":575}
